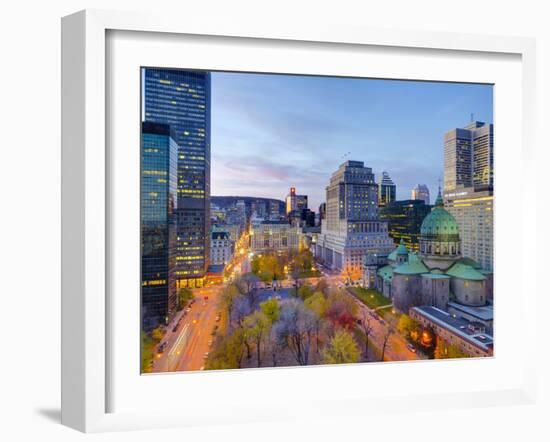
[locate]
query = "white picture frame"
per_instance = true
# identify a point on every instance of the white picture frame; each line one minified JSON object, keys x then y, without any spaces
{"x":86,"y":356}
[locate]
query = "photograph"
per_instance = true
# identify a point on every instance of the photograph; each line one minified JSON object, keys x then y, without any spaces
{"x":302,"y":220}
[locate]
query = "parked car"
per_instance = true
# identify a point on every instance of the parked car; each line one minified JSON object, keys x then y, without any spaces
{"x":411,"y":348}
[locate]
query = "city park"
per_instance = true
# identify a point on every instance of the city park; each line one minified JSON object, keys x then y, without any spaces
{"x":287,"y":312}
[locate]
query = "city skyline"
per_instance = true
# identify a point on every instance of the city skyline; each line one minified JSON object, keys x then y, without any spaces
{"x":319,"y":122}
{"x":252,"y":282}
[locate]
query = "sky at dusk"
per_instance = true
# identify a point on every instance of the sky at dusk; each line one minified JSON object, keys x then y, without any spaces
{"x":271,"y":132}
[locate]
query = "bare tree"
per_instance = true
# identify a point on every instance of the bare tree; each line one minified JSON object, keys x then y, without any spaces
{"x":241,"y":309}
{"x":296,"y":327}
{"x":250,"y":281}
{"x":387,"y":335}
{"x":365,"y":326}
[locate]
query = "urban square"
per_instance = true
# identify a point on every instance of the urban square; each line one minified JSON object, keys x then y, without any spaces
{"x":296,"y":220}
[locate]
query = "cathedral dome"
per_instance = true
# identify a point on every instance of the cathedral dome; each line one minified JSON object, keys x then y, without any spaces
{"x":440,"y":236}
{"x":439,"y":224}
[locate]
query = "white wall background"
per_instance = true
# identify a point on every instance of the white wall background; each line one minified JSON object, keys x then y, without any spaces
{"x":30,"y":213}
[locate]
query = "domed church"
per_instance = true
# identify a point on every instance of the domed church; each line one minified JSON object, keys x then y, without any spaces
{"x":435,"y":276}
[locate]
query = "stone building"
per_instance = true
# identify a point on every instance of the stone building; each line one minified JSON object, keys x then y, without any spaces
{"x":221,"y":248}
{"x":352,"y":229}
{"x":268,"y":236}
{"x":437,"y":275}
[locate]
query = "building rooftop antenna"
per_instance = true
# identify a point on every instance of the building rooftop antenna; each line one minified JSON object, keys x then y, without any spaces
{"x":472,"y":117}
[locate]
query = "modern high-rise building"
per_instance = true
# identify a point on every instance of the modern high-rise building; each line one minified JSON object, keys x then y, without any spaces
{"x":469,"y":157}
{"x":469,"y":188}
{"x":404,"y":219}
{"x":421,"y":192}
{"x":483,"y":158}
{"x":158,"y":231}
{"x":181,"y":99}
{"x":295,"y":202}
{"x":352,"y":228}
{"x":386,"y":190}
{"x":473,"y":211}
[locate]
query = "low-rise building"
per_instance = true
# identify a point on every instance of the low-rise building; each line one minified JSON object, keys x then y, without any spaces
{"x":274,"y":235}
{"x":472,"y":338}
{"x":221,"y":248}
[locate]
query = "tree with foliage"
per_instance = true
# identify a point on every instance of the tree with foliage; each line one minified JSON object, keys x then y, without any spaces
{"x":444,"y":350}
{"x":303,"y":261}
{"x":317,"y":303}
{"x":268,"y":267}
{"x":228,"y":353}
{"x":427,"y":341}
{"x":341,"y":309}
{"x":406,"y":326}
{"x":342,"y":349}
{"x":295,"y":328}
{"x":296,"y":275}
{"x":147,"y":353}
{"x":256,"y":325}
{"x":184,"y":296}
{"x":157,"y":334}
{"x":305,"y":292}
{"x":271,"y":309}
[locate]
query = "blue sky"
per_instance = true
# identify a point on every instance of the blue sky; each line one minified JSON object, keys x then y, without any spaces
{"x":271,"y":132}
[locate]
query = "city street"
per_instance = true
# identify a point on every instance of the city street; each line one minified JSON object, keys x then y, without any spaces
{"x":186,"y":347}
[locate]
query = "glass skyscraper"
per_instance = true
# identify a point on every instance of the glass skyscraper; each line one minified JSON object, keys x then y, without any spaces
{"x":158,"y":233}
{"x":404,"y":220}
{"x":386,"y":190}
{"x":181,"y":99}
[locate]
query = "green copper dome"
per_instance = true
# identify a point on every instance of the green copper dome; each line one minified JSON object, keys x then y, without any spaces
{"x":439,"y":223}
{"x":402,"y":248}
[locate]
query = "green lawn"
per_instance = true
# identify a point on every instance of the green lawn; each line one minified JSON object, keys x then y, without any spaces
{"x":372,"y":298}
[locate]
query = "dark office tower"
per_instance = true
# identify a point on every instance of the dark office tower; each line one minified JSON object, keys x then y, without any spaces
{"x":322,"y":211}
{"x":158,"y":231}
{"x":386,"y":190}
{"x":181,"y":99}
{"x":404,"y":220}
